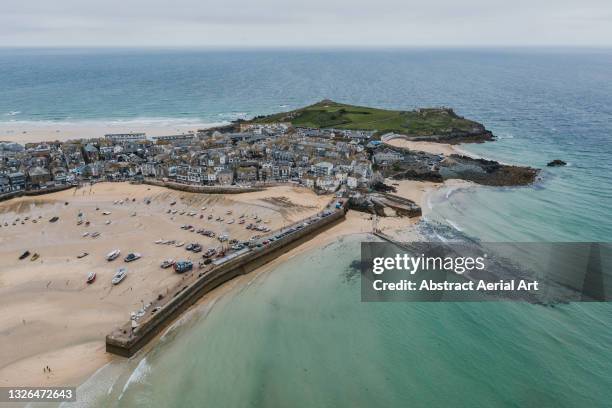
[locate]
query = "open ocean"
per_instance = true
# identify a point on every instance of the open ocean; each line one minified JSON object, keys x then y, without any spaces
{"x":299,"y":336}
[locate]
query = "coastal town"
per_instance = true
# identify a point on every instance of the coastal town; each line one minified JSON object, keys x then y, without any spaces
{"x":324,"y":160}
{"x":301,"y":147}
{"x":128,"y":230}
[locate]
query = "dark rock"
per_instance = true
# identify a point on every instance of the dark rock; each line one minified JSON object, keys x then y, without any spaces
{"x":556,"y":163}
{"x":382,"y":187}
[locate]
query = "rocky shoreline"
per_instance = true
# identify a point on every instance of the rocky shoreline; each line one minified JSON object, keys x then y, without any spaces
{"x":438,"y":168}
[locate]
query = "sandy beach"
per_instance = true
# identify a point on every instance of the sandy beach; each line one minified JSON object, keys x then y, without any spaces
{"x":32,"y":132}
{"x":51,"y":316}
{"x":429,"y":147}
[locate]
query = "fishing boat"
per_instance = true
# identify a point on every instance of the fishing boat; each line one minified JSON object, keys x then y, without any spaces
{"x":132,"y":257}
{"x":24,"y":255}
{"x":108,"y":222}
{"x":79,"y":222}
{"x":91,"y":277}
{"x":106,"y":213}
{"x":230,"y":221}
{"x":111,"y":256}
{"x":34,"y":257}
{"x":82,"y":255}
{"x":203,"y":208}
{"x":54,"y":219}
{"x":209,"y":216}
{"x":119,"y":276}
{"x":209,"y":252}
{"x":85,"y":234}
{"x":180,"y":244}
{"x":167,"y":263}
{"x":95,"y":234}
{"x":159,"y":241}
{"x":228,"y":212}
{"x":241,"y":221}
{"x":183,"y":266}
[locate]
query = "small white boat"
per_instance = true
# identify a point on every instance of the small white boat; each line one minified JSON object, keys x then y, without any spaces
{"x":108,"y":222}
{"x":119,"y":276}
{"x":113,"y":255}
{"x":91,"y":277}
{"x":167,"y":263}
{"x":159,"y":241}
{"x":85,"y":234}
{"x":230,"y":221}
{"x":106,"y":213}
{"x":95,"y":234}
{"x":180,"y":244}
{"x":203,"y":208}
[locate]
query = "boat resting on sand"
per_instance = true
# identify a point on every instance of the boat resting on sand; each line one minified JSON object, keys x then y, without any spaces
{"x":24,"y":255}
{"x":119,"y":276}
{"x":167,"y":263}
{"x":132,"y":256}
{"x":111,"y":256}
{"x":91,"y":277}
{"x":183,"y":266}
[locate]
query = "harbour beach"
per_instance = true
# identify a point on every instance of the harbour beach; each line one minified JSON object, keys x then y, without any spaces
{"x":54,"y":318}
{"x":53,"y":315}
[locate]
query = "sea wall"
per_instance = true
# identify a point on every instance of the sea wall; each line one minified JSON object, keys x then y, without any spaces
{"x":201,"y":189}
{"x":14,"y":194}
{"x":125,"y":342}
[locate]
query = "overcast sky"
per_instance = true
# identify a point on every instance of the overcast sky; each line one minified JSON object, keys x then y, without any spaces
{"x":305,"y":23}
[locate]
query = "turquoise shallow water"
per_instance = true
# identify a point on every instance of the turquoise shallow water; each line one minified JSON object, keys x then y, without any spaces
{"x":299,"y":335}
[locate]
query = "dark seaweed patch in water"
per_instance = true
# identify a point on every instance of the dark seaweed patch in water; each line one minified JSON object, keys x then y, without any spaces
{"x":352,"y":273}
{"x":434,"y":231}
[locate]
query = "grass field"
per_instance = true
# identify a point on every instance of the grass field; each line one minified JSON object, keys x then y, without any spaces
{"x":329,"y":114}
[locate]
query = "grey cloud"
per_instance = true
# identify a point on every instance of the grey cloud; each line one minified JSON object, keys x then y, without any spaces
{"x":316,"y":22}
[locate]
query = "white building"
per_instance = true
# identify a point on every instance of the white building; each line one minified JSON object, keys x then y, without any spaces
{"x":125,"y":137}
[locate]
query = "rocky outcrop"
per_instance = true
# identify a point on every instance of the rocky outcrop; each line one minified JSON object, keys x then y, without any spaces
{"x":486,"y":172}
{"x":412,"y":174}
{"x":556,"y":163}
{"x":423,"y":166}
